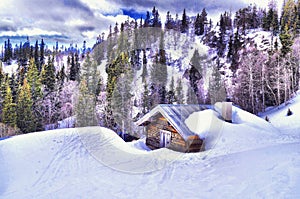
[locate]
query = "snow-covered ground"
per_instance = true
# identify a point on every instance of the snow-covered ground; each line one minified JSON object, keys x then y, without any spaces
{"x":249,"y":158}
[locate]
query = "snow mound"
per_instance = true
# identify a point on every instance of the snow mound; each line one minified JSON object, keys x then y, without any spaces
{"x":94,"y":161}
{"x":139,"y":144}
{"x":200,"y":122}
{"x":288,"y":125}
{"x":245,"y":133}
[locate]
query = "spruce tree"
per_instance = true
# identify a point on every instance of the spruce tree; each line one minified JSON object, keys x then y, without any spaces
{"x":184,"y":23}
{"x":203,"y":21}
{"x":216,"y":90}
{"x":171,"y":93}
{"x":35,"y":84}
{"x":179,"y":92}
{"x":121,"y":101}
{"x":196,"y":75}
{"x":197,"y":25}
{"x":90,"y":73}
{"x":42,"y":54}
{"x":85,"y":107}
{"x":145,"y":71}
{"x":25,"y":120}
{"x":289,"y":16}
{"x":75,"y":68}
{"x":191,"y":97}
{"x":286,"y":41}
{"x":36,"y":57}
{"x":9,"y":115}
{"x":34,"y":80}
{"x":48,"y":75}
{"x":146,"y":99}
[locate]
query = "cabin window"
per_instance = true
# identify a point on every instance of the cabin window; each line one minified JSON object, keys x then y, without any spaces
{"x":165,"y":138}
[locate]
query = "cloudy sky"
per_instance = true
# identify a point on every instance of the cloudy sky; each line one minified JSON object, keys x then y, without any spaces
{"x":73,"y":21}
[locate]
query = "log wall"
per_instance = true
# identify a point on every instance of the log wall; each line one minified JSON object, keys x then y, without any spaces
{"x":193,"y":144}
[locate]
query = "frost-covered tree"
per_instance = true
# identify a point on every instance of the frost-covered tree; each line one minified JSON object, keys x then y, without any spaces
{"x":184,"y":23}
{"x":191,"y":97}
{"x":179,"y":92}
{"x":196,"y":74}
{"x":48,"y":75}
{"x":90,"y":73}
{"x":122,"y":101}
{"x":85,"y":107}
{"x":250,"y":90}
{"x":216,"y":89}
{"x":171,"y":98}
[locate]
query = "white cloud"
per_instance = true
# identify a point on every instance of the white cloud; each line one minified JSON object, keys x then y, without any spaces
{"x":29,"y":32}
{"x":80,"y":20}
{"x":102,"y":6}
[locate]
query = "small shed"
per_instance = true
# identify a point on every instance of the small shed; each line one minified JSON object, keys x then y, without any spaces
{"x":165,"y":126}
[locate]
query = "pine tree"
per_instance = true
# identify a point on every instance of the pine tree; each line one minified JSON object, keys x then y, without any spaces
{"x":169,"y":21}
{"x":61,"y":76}
{"x":145,"y":71}
{"x":146,"y":99}
{"x":34,"y":81}
{"x":286,"y":41}
{"x":48,"y":75}
{"x":289,"y":16}
{"x":36,"y":57}
{"x":216,"y":90}
{"x":9,"y":115}
{"x":191,"y":97}
{"x":42,"y":54}
{"x":230,"y":48}
{"x":35,"y":84}
{"x":121,"y":101}
{"x":85,"y":107}
{"x":196,"y":74}
{"x":90,"y":73}
{"x":203,"y":21}
{"x":184,"y":23}
{"x":197,"y":25}
{"x":75,"y":67}
{"x":14,"y":86}
{"x":3,"y":89}
{"x":25,"y":120}
{"x":179,"y":92}
{"x":156,"y":19}
{"x":114,"y":70}
{"x":171,"y":93}
{"x":1,"y":72}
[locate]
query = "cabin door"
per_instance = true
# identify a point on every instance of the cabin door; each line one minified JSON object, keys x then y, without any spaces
{"x":165,"y":138}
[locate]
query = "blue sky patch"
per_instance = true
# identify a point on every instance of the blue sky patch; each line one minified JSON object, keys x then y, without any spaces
{"x":133,"y":14}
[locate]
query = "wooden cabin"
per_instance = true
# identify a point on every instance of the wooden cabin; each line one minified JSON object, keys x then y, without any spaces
{"x":164,"y":126}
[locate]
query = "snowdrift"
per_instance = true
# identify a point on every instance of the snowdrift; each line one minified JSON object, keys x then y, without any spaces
{"x":248,"y":157}
{"x":246,"y":132}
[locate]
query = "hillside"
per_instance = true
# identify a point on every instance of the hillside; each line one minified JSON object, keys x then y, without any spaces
{"x":247,"y":158}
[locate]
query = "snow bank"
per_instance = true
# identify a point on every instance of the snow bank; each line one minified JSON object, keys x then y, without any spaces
{"x":288,"y":125}
{"x":245,"y":133}
{"x":139,"y":144}
{"x":250,"y":156}
{"x":200,"y":122}
{"x":94,"y":161}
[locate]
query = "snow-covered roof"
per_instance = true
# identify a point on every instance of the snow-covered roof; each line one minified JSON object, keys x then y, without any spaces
{"x":176,"y":114}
